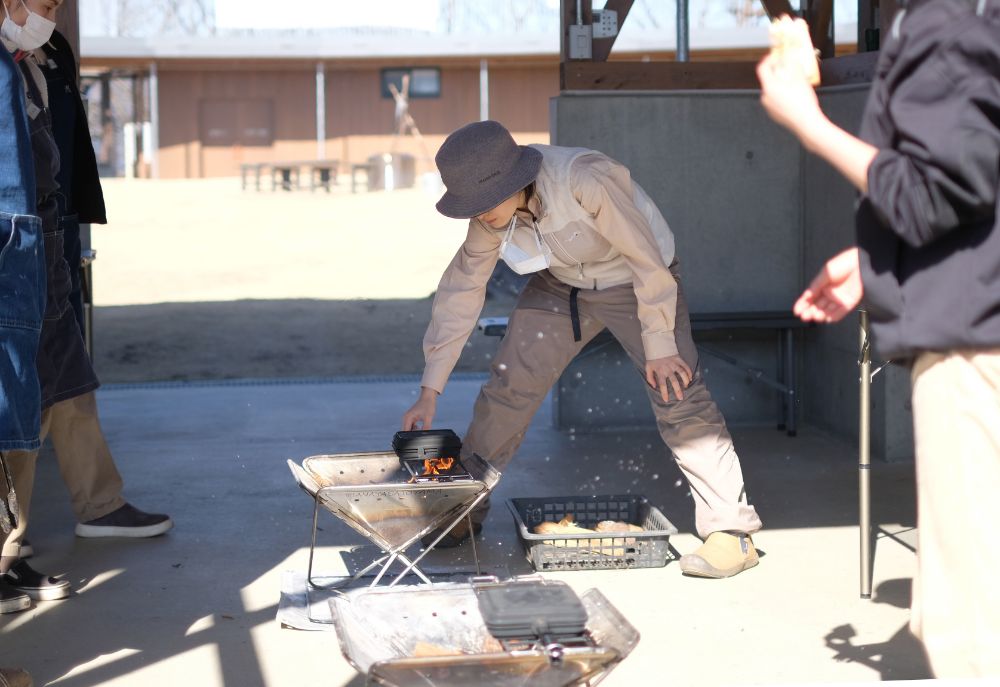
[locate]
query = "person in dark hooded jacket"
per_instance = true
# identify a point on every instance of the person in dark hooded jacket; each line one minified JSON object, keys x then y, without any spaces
{"x":927,"y":269}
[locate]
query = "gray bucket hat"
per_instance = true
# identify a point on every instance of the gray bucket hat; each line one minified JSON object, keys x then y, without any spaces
{"x":482,"y":166}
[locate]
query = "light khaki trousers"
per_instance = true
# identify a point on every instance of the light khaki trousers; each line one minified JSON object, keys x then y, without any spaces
{"x":85,"y":462}
{"x":537,"y":348}
{"x":956,"y":593}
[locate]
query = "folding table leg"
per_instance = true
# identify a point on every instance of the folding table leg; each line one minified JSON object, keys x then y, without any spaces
{"x":864,"y":456}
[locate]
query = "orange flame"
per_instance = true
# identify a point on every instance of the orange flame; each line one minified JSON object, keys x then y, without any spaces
{"x":435,"y":466}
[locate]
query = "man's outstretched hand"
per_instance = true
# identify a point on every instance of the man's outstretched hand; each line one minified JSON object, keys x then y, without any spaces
{"x":834,"y":292}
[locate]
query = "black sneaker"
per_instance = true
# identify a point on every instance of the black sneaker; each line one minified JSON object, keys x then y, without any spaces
{"x":40,"y":587}
{"x":456,"y":537}
{"x":12,"y":600}
{"x":127,"y":521}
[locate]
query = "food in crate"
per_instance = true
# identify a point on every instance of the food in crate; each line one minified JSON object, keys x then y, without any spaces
{"x":568,"y":525}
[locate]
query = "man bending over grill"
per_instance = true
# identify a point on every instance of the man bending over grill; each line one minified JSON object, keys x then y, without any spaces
{"x":601,"y":255}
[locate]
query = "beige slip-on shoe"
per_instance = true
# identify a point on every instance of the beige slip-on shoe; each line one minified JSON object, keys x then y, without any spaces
{"x":722,"y":555}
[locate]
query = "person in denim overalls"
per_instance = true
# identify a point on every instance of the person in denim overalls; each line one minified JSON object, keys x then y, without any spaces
{"x":22,"y":302}
{"x":65,"y":373}
{"x":62,"y":363}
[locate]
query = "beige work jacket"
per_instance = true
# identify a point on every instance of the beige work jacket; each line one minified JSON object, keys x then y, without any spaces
{"x":602,"y":230}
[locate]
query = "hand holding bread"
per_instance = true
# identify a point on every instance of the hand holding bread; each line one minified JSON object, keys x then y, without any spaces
{"x":792,"y":48}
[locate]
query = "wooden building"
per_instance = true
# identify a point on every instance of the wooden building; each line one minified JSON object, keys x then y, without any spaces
{"x":213,"y":103}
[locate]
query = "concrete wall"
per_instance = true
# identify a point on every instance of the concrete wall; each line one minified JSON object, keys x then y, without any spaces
{"x":754,"y":217}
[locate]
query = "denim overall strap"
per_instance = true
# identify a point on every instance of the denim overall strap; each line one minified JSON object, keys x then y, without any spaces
{"x":17,"y":175}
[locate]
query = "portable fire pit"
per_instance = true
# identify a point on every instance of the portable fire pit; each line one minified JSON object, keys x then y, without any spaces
{"x":439,"y":636}
{"x":392,"y":501}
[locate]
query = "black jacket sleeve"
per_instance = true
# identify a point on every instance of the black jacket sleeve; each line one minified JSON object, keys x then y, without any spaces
{"x":88,"y":196}
{"x":942,"y":170}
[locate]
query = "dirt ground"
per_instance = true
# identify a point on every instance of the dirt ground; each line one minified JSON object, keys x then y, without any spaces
{"x":198,"y":280}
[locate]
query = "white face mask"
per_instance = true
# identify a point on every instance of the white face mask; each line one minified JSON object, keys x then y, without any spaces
{"x":35,"y":33}
{"x":520,"y":260}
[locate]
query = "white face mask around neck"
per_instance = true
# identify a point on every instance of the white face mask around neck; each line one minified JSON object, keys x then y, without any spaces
{"x":35,"y":33}
{"x":520,"y":260}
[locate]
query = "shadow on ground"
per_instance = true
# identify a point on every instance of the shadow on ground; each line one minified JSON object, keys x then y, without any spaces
{"x":270,"y":339}
{"x":265,"y":339}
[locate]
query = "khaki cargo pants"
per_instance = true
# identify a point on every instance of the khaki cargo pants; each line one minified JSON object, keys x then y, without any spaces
{"x":85,"y":462}
{"x":537,"y":348}
{"x":956,"y":597}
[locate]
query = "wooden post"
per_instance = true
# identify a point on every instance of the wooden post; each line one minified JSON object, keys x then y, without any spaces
{"x":821,"y":27}
{"x":68,"y":24}
{"x":602,"y":46}
{"x":776,"y":8}
{"x":867,"y":25}
{"x":887,"y":10}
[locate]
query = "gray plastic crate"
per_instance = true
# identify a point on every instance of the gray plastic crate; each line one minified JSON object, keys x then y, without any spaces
{"x":647,"y":549}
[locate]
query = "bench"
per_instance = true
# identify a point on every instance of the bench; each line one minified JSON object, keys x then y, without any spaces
{"x":322,"y":174}
{"x":367,"y":170}
{"x":783,"y":381}
{"x":286,"y":175}
{"x":254,"y":168}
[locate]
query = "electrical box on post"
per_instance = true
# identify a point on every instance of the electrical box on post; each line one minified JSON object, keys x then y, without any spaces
{"x":581,"y":42}
{"x":605,"y":23}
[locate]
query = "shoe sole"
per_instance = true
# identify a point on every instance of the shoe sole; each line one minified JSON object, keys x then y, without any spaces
{"x":15,"y":605}
{"x":715,"y":573}
{"x":54,"y":593}
{"x":98,"y":531}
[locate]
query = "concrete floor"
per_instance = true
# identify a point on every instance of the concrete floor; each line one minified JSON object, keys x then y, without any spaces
{"x":198,"y":605}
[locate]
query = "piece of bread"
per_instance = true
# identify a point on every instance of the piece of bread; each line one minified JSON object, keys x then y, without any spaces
{"x":565,"y":526}
{"x":792,"y":47}
{"x":617,"y":526}
{"x":568,"y":526}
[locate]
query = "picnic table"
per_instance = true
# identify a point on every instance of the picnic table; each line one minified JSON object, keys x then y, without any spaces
{"x":287,"y":175}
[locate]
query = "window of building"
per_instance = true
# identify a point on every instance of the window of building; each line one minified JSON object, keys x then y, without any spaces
{"x":237,"y":122}
{"x":425,"y":82}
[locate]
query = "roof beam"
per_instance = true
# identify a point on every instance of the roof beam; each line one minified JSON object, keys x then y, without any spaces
{"x":602,"y":46}
{"x":820,"y":20}
{"x":776,"y":8}
{"x":584,"y":75}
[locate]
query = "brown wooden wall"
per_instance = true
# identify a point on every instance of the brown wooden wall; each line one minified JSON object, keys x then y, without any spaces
{"x":211,"y":120}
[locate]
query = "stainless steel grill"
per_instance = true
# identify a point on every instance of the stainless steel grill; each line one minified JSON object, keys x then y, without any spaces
{"x":435,"y":636}
{"x":376,"y":496}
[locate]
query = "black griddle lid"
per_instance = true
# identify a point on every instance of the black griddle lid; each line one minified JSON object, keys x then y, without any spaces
{"x":427,"y":443}
{"x":531,"y":608}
